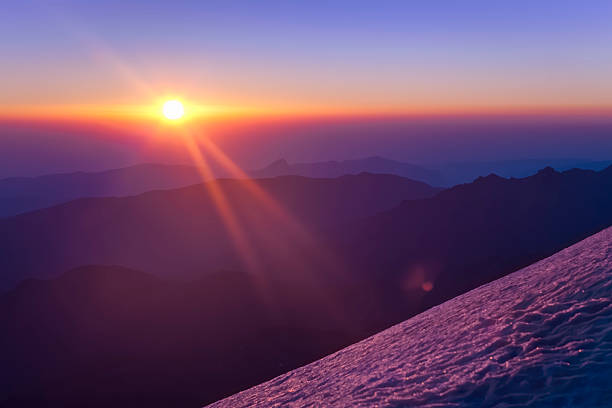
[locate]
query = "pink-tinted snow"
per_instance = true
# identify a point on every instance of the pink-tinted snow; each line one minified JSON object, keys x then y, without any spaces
{"x":541,"y":336}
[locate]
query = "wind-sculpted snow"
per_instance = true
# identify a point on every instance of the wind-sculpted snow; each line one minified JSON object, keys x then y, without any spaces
{"x":539,"y":337}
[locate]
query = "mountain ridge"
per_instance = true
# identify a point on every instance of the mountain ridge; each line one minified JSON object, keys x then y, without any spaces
{"x":23,"y":194}
{"x":88,"y":230}
{"x":335,"y":168}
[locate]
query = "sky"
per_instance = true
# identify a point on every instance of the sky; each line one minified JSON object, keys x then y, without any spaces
{"x":307,"y":56}
{"x":82,"y":82}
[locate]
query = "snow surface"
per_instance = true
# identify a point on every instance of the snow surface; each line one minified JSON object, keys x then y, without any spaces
{"x":541,"y":337}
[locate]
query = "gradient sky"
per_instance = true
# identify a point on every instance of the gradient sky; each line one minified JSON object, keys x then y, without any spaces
{"x":313,"y":80}
{"x":321,"y":56}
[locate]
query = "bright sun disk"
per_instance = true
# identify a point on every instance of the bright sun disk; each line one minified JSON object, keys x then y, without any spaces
{"x":173,"y":109}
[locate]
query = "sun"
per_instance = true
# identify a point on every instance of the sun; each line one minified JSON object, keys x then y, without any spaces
{"x":173,"y":109}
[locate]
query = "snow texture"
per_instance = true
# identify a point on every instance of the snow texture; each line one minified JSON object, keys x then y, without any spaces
{"x":541,"y":337}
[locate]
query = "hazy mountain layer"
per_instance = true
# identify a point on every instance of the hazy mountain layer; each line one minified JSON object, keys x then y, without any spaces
{"x":436,"y":174}
{"x":377,"y":165}
{"x":22,"y":194}
{"x":187,"y":231}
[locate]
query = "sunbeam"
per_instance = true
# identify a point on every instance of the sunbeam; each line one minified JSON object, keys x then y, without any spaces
{"x":222,"y":205}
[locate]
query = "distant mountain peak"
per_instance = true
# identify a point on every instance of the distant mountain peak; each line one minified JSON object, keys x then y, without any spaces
{"x":489,"y":179}
{"x":280,"y":163}
{"x":547,"y":171}
{"x":337,"y":168}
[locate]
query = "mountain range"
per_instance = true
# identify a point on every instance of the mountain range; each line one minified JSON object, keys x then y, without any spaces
{"x":377,"y":165}
{"x":473,"y":233}
{"x":23,"y":194}
{"x":436,"y":174}
{"x":186,"y":232}
{"x":365,"y":260}
{"x":454,"y":173}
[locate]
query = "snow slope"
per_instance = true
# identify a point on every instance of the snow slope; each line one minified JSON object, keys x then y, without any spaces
{"x":541,"y":337}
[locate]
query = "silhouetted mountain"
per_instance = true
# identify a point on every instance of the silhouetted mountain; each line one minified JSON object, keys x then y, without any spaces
{"x":182,"y":232}
{"x":466,"y":172}
{"x":430,"y":250}
{"x":110,"y":336}
{"x":444,"y":175}
{"x":376,"y":165}
{"x":22,"y":194}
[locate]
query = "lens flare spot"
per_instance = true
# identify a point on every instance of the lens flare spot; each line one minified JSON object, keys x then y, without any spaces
{"x":427,"y":286}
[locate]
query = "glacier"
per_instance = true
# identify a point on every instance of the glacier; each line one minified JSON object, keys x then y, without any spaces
{"x":540,"y":337}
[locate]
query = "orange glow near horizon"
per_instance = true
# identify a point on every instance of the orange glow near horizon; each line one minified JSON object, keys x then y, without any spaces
{"x":98,"y":72}
{"x":201,"y":111}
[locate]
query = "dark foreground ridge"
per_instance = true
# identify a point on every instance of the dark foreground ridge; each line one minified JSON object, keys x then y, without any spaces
{"x":114,"y":337}
{"x":541,"y":337}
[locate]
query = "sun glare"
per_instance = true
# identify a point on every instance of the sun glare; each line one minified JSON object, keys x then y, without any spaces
{"x":173,"y":110}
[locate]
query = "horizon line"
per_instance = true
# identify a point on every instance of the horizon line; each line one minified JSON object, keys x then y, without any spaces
{"x":196,"y":112}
